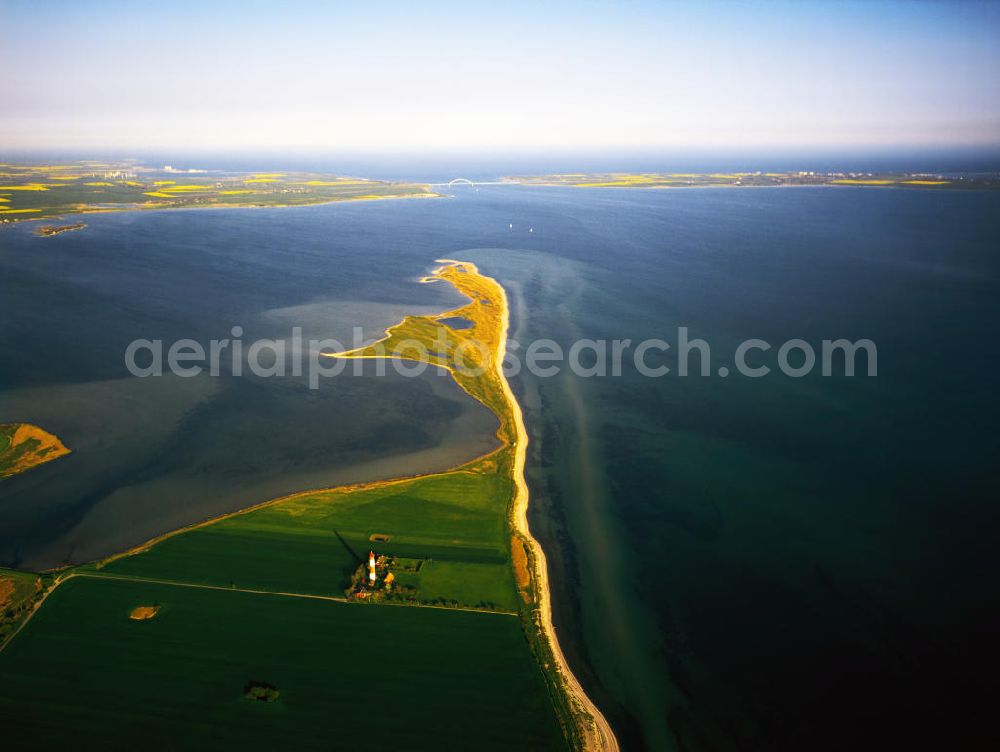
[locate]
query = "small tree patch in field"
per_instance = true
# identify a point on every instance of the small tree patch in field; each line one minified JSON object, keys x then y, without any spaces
{"x":261,"y":691}
{"x":18,"y":593}
{"x":143,"y":613}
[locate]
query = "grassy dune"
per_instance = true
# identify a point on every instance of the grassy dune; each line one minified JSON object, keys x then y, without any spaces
{"x":468,"y":352}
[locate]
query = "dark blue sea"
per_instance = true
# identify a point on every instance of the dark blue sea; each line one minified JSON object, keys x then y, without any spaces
{"x":782,"y":562}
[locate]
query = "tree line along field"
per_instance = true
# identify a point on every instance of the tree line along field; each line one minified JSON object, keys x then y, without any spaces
{"x":18,"y":593}
{"x":349,"y":676}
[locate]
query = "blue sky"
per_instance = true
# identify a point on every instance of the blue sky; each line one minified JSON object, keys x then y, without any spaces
{"x":431,"y":76}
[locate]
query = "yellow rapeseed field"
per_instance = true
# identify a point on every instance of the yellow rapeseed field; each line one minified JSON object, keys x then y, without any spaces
{"x":850,"y":181}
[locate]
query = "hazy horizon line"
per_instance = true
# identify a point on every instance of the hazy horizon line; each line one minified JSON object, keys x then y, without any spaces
{"x":729,"y":150}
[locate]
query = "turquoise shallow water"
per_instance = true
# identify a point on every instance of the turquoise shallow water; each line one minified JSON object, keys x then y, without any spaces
{"x":770,"y":563}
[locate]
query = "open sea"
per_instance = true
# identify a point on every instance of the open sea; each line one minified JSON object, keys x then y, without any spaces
{"x":773,"y":563}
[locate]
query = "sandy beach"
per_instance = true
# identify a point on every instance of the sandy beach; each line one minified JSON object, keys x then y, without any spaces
{"x":599,"y":735}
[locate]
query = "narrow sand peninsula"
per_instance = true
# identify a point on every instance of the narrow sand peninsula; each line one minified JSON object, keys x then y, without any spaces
{"x":599,"y":736}
{"x":489,"y":310}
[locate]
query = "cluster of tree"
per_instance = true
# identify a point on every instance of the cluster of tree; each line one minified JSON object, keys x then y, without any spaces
{"x":261,"y":691}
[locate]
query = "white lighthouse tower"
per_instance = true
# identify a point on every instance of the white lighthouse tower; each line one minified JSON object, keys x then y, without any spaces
{"x":371,"y":568}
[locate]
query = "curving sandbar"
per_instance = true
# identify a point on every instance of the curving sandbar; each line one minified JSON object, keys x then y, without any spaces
{"x":474,"y":357}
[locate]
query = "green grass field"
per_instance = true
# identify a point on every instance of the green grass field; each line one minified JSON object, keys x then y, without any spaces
{"x":313,"y":542}
{"x":350,"y":676}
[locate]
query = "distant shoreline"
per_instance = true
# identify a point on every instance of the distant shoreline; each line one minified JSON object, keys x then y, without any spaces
{"x":42,"y":191}
{"x":658,"y":180}
{"x":225,"y":207}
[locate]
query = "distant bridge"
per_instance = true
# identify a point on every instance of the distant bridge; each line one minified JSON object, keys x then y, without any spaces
{"x":472,"y":184}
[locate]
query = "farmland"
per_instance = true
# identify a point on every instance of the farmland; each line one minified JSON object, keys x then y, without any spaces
{"x":33,"y":192}
{"x":310,"y":543}
{"x":349,"y":677}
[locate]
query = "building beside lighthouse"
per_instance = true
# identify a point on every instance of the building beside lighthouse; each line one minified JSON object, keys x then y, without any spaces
{"x":373,"y":578}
